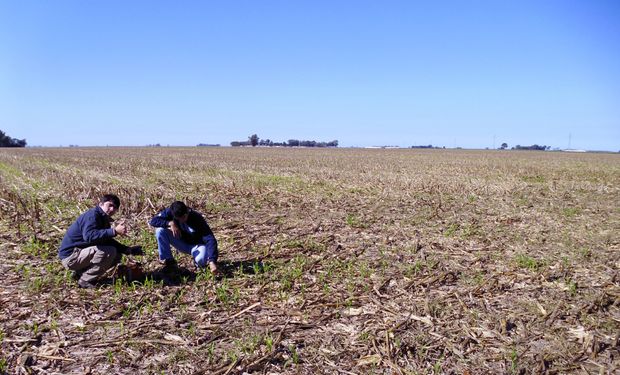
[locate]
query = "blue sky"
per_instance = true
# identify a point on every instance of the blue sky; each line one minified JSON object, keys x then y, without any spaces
{"x":447,"y":73}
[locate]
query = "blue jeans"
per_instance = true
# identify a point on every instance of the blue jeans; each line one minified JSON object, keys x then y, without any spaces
{"x":201,"y":253}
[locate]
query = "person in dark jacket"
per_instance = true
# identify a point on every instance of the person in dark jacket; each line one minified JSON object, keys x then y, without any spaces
{"x":188,"y":231}
{"x":89,"y":248}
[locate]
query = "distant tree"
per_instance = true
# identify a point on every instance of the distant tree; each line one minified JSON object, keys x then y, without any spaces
{"x":504,"y":146}
{"x":293,"y":142}
{"x":6,"y":141}
{"x":253,"y":140}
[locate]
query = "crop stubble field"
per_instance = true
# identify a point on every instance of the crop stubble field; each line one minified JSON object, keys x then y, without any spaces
{"x":336,"y":261}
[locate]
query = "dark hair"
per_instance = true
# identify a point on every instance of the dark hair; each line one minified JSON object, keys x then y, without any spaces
{"x":178,"y":209}
{"x":110,"y":198}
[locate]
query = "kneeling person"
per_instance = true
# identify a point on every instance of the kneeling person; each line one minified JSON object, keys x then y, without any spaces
{"x":89,"y":248}
{"x":188,"y":231}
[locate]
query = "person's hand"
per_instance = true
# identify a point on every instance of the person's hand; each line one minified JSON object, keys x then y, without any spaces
{"x":135,"y":250}
{"x":176,"y":232}
{"x":120,"y":229}
{"x":213,"y":268}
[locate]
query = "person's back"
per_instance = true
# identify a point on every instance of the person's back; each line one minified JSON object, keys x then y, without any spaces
{"x":80,"y":233}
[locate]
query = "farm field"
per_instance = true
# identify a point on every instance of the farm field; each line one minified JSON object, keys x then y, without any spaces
{"x":337,"y":261}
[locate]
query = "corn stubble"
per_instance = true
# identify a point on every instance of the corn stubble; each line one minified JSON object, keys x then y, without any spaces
{"x":336,"y":261}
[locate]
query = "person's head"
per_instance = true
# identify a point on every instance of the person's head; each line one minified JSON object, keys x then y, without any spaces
{"x":109,"y":203}
{"x":179,"y":211}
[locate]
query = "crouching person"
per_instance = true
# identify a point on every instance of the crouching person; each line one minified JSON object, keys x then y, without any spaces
{"x":188,"y":231}
{"x":89,"y":248}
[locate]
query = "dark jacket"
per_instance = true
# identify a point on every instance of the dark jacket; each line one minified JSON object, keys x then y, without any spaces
{"x":90,"y":229}
{"x":194,"y":220}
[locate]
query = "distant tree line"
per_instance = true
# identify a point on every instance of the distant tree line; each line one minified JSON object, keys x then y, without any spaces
{"x":254,"y":141}
{"x":425,"y":146}
{"x":6,"y":141}
{"x":532,"y":147}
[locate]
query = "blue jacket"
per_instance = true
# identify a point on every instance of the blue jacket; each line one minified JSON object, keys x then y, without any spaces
{"x":90,"y":229}
{"x":200,"y":231}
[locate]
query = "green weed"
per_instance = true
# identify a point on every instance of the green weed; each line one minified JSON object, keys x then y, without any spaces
{"x":223,"y":293}
{"x":118,"y":287}
{"x":109,"y":356}
{"x":437,"y":366}
{"x":35,"y":284}
{"x":34,"y":328}
{"x":37,"y":249}
{"x":572,"y":287}
{"x":528,"y":262}
{"x":451,"y":230}
{"x":354,"y":221}
{"x":470,"y":230}
{"x":570,"y":212}
{"x":584,"y":252}
{"x":534,"y":179}
{"x":268,"y":339}
{"x":211,"y":352}
{"x":514,"y":361}
{"x":215,"y":208}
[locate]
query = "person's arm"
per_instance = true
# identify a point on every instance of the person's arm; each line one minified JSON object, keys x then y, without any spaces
{"x":165,"y":219}
{"x":162,"y":219}
{"x":91,"y":231}
{"x":130,"y":250}
{"x":123,"y":249}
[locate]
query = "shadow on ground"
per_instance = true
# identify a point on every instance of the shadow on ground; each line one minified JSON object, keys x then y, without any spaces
{"x":182,"y":275}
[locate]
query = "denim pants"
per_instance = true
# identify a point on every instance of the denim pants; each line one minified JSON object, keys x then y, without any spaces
{"x":201,"y":254}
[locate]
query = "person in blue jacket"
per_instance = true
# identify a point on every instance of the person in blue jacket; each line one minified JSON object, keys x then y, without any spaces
{"x":188,"y":231}
{"x":89,"y":248}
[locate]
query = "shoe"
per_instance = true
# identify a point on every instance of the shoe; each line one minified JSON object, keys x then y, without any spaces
{"x":170,"y":265}
{"x":170,"y":262}
{"x":75,"y":275}
{"x":86,"y":284}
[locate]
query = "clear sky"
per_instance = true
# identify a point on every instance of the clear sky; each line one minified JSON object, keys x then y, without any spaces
{"x":467,"y":73}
